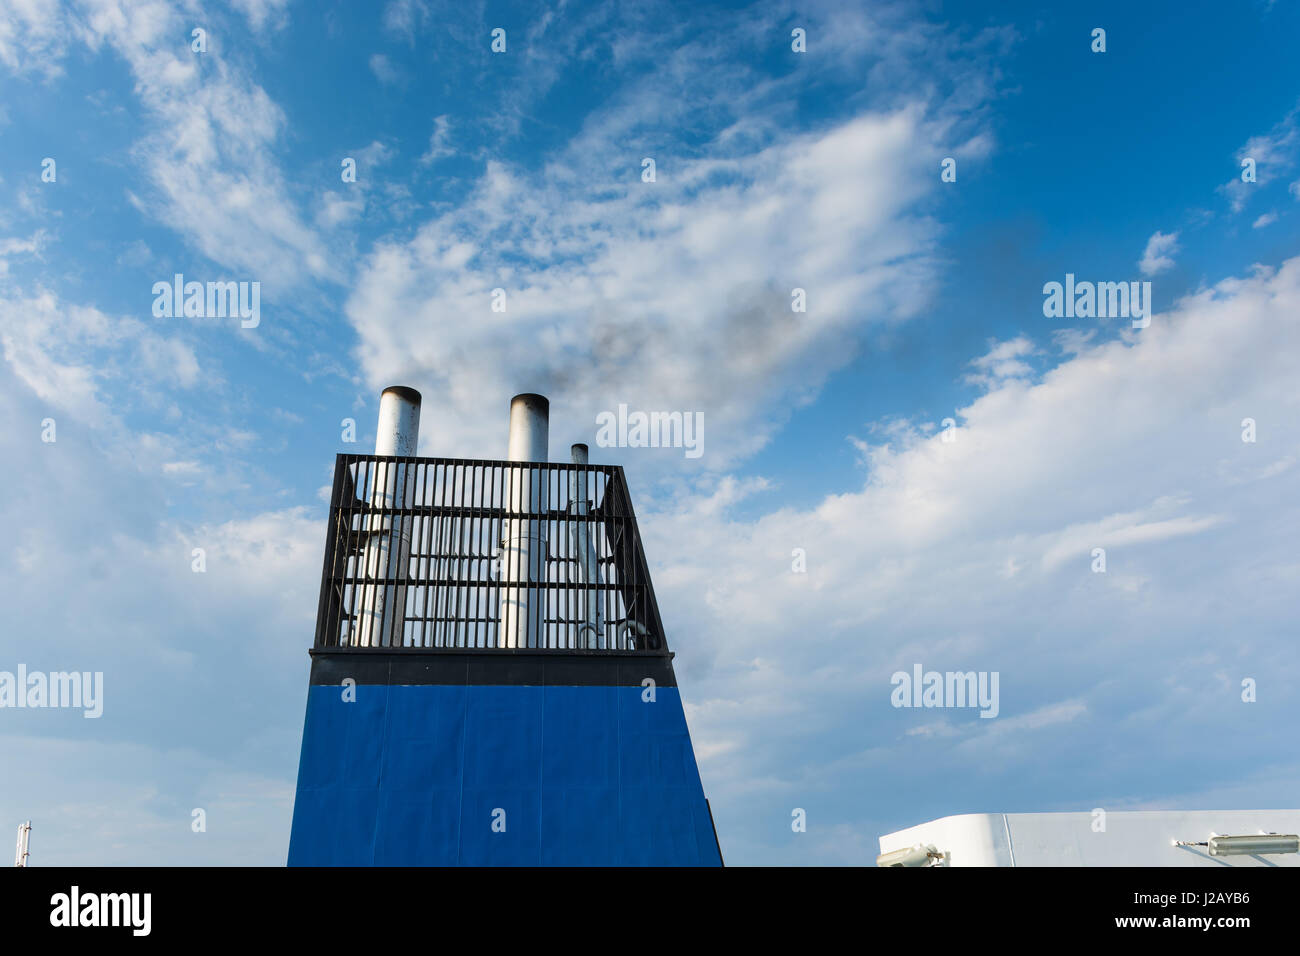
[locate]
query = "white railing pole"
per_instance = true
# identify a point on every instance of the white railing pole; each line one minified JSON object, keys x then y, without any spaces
{"x":591,"y":627}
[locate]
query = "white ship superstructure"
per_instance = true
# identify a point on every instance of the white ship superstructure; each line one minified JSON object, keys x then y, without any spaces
{"x":1100,"y":838}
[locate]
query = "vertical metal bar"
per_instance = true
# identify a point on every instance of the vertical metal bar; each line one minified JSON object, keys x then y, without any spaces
{"x":359,"y":636}
{"x":439,"y":625}
{"x":427,"y":549}
{"x":462,"y":628}
{"x":448,"y":499}
{"x":419,"y":570}
{"x":484,"y":539}
{"x":498,"y":535}
{"x":495,"y":532}
{"x":474,"y":595}
{"x":328,"y":568}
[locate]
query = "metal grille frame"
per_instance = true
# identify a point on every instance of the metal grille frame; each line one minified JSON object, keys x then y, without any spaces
{"x":445,"y":528}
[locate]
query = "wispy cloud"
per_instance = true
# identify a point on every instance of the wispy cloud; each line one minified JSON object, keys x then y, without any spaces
{"x":1158,"y":255}
{"x":1005,"y":360}
{"x":209,"y":155}
{"x":439,"y":141}
{"x":1274,"y":154}
{"x":384,"y":70}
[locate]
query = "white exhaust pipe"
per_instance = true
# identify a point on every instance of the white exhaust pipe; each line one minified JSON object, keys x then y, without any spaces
{"x":591,"y":625}
{"x":523,"y":543}
{"x":381,"y":612}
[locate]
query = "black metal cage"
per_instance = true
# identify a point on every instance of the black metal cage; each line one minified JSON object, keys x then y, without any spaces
{"x":457,"y":554}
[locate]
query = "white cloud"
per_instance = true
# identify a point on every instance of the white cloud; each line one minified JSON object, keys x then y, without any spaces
{"x":32,"y":244}
{"x":1003,"y":361}
{"x":405,"y":17}
{"x":1159,"y":252}
{"x":13,"y":246}
{"x":1265,"y":220}
{"x":205,"y":656}
{"x":1118,"y":531}
{"x":976,"y":555}
{"x":260,"y":13}
{"x":66,"y":353}
{"x":667,"y":295}
{"x":1274,"y":154}
{"x":384,"y":70}
{"x":439,"y":141}
{"x":336,"y":208}
{"x":33,"y":37}
{"x":208,"y":153}
{"x":202,"y":692}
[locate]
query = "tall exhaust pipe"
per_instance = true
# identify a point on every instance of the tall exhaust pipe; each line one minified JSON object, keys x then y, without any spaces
{"x":591,"y":626}
{"x":523,"y":544}
{"x":382,"y":609}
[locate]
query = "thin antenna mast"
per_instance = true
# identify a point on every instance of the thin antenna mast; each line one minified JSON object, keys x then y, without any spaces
{"x":20,"y":856}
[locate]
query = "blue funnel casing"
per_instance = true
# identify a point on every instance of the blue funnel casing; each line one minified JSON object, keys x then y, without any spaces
{"x":445,"y":738}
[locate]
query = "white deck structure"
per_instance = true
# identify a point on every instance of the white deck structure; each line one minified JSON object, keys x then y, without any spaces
{"x":1129,"y":838}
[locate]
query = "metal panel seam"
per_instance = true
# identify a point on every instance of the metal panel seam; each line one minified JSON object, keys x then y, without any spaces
{"x":379,"y":793}
{"x":618,"y":780}
{"x":464,"y":729}
{"x":541,"y":761}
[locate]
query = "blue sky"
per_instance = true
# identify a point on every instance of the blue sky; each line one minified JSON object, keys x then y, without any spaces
{"x":774,"y":170}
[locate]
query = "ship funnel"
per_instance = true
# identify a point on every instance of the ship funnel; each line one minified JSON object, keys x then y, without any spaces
{"x":524,"y":539}
{"x":382,"y":609}
{"x":496,"y":627}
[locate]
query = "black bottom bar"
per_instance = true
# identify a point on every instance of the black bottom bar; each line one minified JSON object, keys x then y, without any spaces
{"x":874,"y":906}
